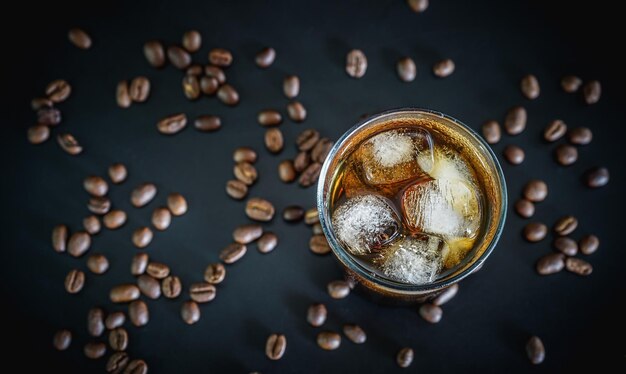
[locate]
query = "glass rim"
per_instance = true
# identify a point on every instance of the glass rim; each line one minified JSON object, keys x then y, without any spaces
{"x":389,"y":284}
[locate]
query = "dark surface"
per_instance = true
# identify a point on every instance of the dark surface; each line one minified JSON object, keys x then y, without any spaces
{"x":485,"y":328}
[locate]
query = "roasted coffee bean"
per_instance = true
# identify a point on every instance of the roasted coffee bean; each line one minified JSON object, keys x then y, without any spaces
{"x":443,"y":68}
{"x":275,"y":346}
{"x":96,"y":186}
{"x":514,"y":154}
{"x":38,"y":134}
{"x":161,"y":218}
{"x":236,"y":189}
{"x":178,"y":57}
{"x":48,"y":116}
{"x":355,"y":334}
{"x":338,"y":289}
{"x":136,"y":367}
{"x":491,"y":131}
{"x":79,"y":38}
{"x":296,"y":111}
{"x":215,"y":273}
{"x":58,"y":90}
{"x":269,"y":117}
{"x":530,"y":87}
{"x":328,"y":340}
{"x":265,"y":57}
{"x":356,"y":63}
{"x":92,"y":225}
{"x":431,"y":313}
{"x":143,"y":194}
{"x":139,"y":89}
{"x":118,"y":339}
{"x":535,"y":351}
{"x":589,"y":244}
{"x":172,"y":124}
{"x":274,"y":140}
{"x":228,"y":95}
{"x":293,"y":213}
{"x":245,"y":154}
{"x":515,"y":120}
{"x":202,"y":292}
{"x":142,"y":236}
{"x":233,"y":252}
{"x":99,"y":205}
{"x":535,"y":231}
{"x":118,"y":173}
{"x":124,"y":293}
{"x":177,"y":204}
{"x":69,"y":144}
{"x":246,"y":234}
{"x":307,"y":139}
{"x":41,"y":103}
{"x":310,"y":174}
{"x":446,"y":295}
{"x":302,"y":161}
{"x":267,"y":242}
{"x":565,"y":225}
{"x":291,"y":86}
{"x":95,"y":321}
{"x":59,"y":238}
{"x":114,"y":219}
{"x":62,"y":340}
{"x":406,"y":69}
{"x":571,"y":83}
{"x":319,"y":245}
{"x":192,"y":40}
{"x":114,"y":320}
{"x":316,"y":315}
{"x":139,"y":264}
{"x":149,"y":286}
{"x":215,"y":72}
{"x":97,"y":263}
{"x":418,"y":6}
{"x":138,"y":313}
{"x":578,"y":266}
{"x":536,"y":190}
{"x":209,"y":85}
{"x":555,"y":130}
{"x":74,"y":281}
{"x":597,"y":177}
{"x":196,"y":70}
{"x":592,"y":91}
{"x":311,"y":216}
{"x":551,"y":263}
{"x":122,"y":94}
{"x":95,"y":350}
{"x":317,"y":229}
{"x":286,"y":171}
{"x":207,"y":123}
{"x":190,"y":312}
{"x":158,"y":270}
{"x":191,"y":87}
{"x":405,"y":357}
{"x":259,"y":209}
{"x":245,"y":172}
{"x":171,"y":287}
{"x":117,"y":362}
{"x":580,"y":136}
{"x":155,"y":54}
{"x":321,"y":150}
{"x":525,"y":208}
{"x":220,"y":57}
{"x":78,"y":243}
{"x":566,"y":246}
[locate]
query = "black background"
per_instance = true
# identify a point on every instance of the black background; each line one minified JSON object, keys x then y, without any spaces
{"x":493,"y":44}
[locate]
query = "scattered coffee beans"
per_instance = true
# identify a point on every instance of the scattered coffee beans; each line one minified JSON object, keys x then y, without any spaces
{"x":265,"y":57}
{"x":319,"y":245}
{"x":177,"y":204}
{"x":215,"y":273}
{"x":291,"y":86}
{"x":535,"y":231}
{"x":286,"y":171}
{"x":555,"y":130}
{"x":597,"y":177}
{"x":78,"y":244}
{"x":405,"y":357}
{"x":267,"y":242}
{"x":259,"y":209}
{"x":535,"y":351}
{"x":588,"y":244}
{"x":565,"y":225}
{"x":565,"y":154}
{"x":158,"y":270}
{"x":338,"y":289}
{"x":514,"y":154}
{"x":525,"y":208}
{"x":406,"y":69}
{"x":202,"y":292}
{"x":566,"y":246}
{"x":293,"y":213}
{"x":580,"y":136}
{"x":316,"y":315}
{"x":245,"y":172}
{"x":139,"y":264}
{"x":550,"y":264}
{"x":155,"y":53}
{"x":149,"y":287}
{"x":356,"y":63}
{"x":207,"y":123}
{"x":491,"y":131}
{"x":171,"y":287}
{"x":62,"y":340}
{"x":138,"y":313}
{"x":571,"y":83}
{"x":142,"y":236}
{"x":536,"y":190}
{"x":236,"y":189}
{"x":172,"y":124}
{"x":578,"y":266}
{"x":95,"y":321}
{"x":355,"y":334}
{"x":97,"y":263}
{"x":431,"y":313}
{"x":515,"y":120}
{"x":275,"y":346}
{"x":296,"y":111}
{"x":118,"y":173}
{"x":79,"y":38}
{"x":192,"y":40}
{"x":328,"y":340}
{"x":124,"y":293}
{"x":443,"y":68}
{"x":591,"y":92}
{"x":59,"y":238}
{"x":190,"y":312}
{"x":530,"y":87}
{"x":177,"y":56}
{"x":95,"y":350}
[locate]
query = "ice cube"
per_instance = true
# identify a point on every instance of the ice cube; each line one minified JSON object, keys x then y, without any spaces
{"x":456,"y":251}
{"x":415,"y":260}
{"x":365,"y":224}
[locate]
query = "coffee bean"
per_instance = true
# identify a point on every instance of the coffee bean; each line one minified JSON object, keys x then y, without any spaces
{"x":59,"y":238}
{"x":97,"y":263}
{"x":236,"y":189}
{"x":446,"y":295}
{"x":118,"y":173}
{"x":355,"y":334}
{"x":139,"y":89}
{"x":246,"y":234}
{"x":566,"y":246}
{"x":444,"y":68}
{"x":286,"y":171}
{"x":178,"y":57}
{"x":142,"y":236}
{"x":293,"y":213}
{"x":177,"y":204}
{"x":94,"y":350}
{"x":316,"y":315}
{"x":291,"y":86}
{"x":171,"y":286}
{"x":565,"y":225}
{"x":328,"y":340}
{"x":233,"y":252}
{"x":74,"y":281}
{"x":124,"y":293}
{"x":220,"y":57}
{"x":136,"y":367}
{"x":321,"y":150}
{"x":192,"y":40}
{"x":228,"y":95}
{"x":154,"y":53}
{"x":566,"y":154}
{"x":161,"y":218}
{"x":190,"y":312}
{"x":265,"y":57}
{"x":117,"y":362}
{"x":92,"y":225}
{"x":191,"y":87}
{"x":114,"y":219}
{"x":317,"y":229}
{"x":122,"y":94}
{"x":207,"y":123}
{"x":578,"y":266}
{"x":491,"y":131}
{"x":41,"y":103}
{"x":78,"y":243}
{"x":296,"y":111}
{"x":245,"y":172}
{"x":149,"y":286}
{"x":269,"y":117}
{"x":555,"y":130}
{"x":79,"y":38}
{"x":99,"y":205}
{"x":138,"y":313}
{"x":157,"y":270}
{"x":310,"y":175}
{"x":525,"y":208}
{"x":172,"y":124}
{"x":536,"y":190}
{"x":597,"y":177}
{"x":356,"y":63}
{"x":338,"y":289}
{"x":215,"y":273}
{"x":259,"y":209}
{"x":209,"y":85}
{"x":118,"y":339}
{"x":69,"y":144}
{"x":592,"y":91}
{"x":274,"y":140}
{"x":580,"y":136}
{"x":245,"y":154}
{"x":535,"y":351}
{"x":139,"y":264}
{"x":311,"y":216}
{"x":114,"y":320}
{"x":406,"y":69}
{"x":38,"y":134}
{"x":275,"y":346}
{"x":589,"y":244}
{"x":535,"y":231}
{"x":431,"y":313}
{"x":196,"y":70}
{"x":571,"y":83}
{"x":550,"y":264}
{"x":302,"y":161}
{"x":215,"y":72}
{"x":514,"y":154}
{"x":319,"y":245}
{"x":307,"y":139}
{"x":143,"y":194}
{"x":267,"y":242}
{"x":62,"y":340}
{"x":48,"y":116}
{"x":96,"y":186}
{"x":202,"y":292}
{"x":515,"y":120}
{"x":418,"y":6}
{"x":95,"y":321}
{"x":530,"y":87}
{"x":404,"y":358}
{"x":58,"y":90}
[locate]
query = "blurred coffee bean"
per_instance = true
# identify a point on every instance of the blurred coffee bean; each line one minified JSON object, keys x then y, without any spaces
{"x":149,"y":286}
{"x":114,"y":219}
{"x":207,"y":123}
{"x":97,"y":263}
{"x":550,"y":264}
{"x":191,"y":87}
{"x":228,"y":95}
{"x":209,"y":85}
{"x":38,"y":134}
{"x":78,"y":243}
{"x":236,"y":189}
{"x":446,"y":295}
{"x":269,"y":117}
{"x":95,"y":321}
{"x":302,"y":160}
{"x":69,"y":144}
{"x":233,"y":253}
{"x":597,"y":177}
{"x":328,"y":340}
{"x":404,"y":358}
{"x":246,"y":154}
{"x":431,"y":313}
{"x":48,"y":116}
{"x":124,"y":293}
{"x":580,"y":136}
{"x":555,"y":130}
{"x":220,"y":57}
{"x":286,"y":171}
{"x":274,"y":140}
{"x":319,"y":245}
{"x":245,"y":172}
{"x":406,"y":69}
{"x":60,"y":234}
{"x":566,"y":246}
{"x":138,"y":313}
{"x":515,"y":120}
{"x":535,"y":231}
{"x":143,"y":194}
{"x":355,"y":334}
{"x":74,"y":281}
{"x":310,"y":175}
{"x":171,"y":286}
{"x":275,"y":346}
{"x":190,"y":312}
{"x":293,"y":213}
{"x":491,"y":131}
{"x":139,"y":89}
{"x":95,"y":186}
{"x":79,"y":38}
{"x":154,"y":53}
{"x":192,"y":40}
{"x":444,"y":68}
{"x":215,"y":273}
{"x":536,"y":190}
{"x":122,"y":94}
{"x":157,"y":270}
{"x":514,"y":154}
{"x":114,"y":320}
{"x":565,"y":225}
{"x":118,"y":173}
{"x":356,"y":63}
{"x":179,"y":58}
{"x":139,"y":264}
{"x":173,"y":124}
{"x":307,"y":139}
{"x":265,"y":57}
{"x":202,"y":292}
{"x":215,"y":72}
{"x":161,"y":218}
{"x":525,"y":208}
{"x":62,"y":340}
{"x":321,"y":150}
{"x":535,"y":351}
{"x":58,"y":90}
{"x":177,"y":204}
{"x":530,"y":87}
{"x":94,"y":350}
{"x":565,"y":154}
{"x":316,"y":315}
{"x":142,"y":236}
{"x":571,"y":83}
{"x":578,"y":266}
{"x":267,"y":242}
{"x":588,"y":244}
{"x":246,"y":234}
{"x":291,"y":86}
{"x":338,"y":289}
{"x":296,"y":111}
{"x":592,"y":91}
